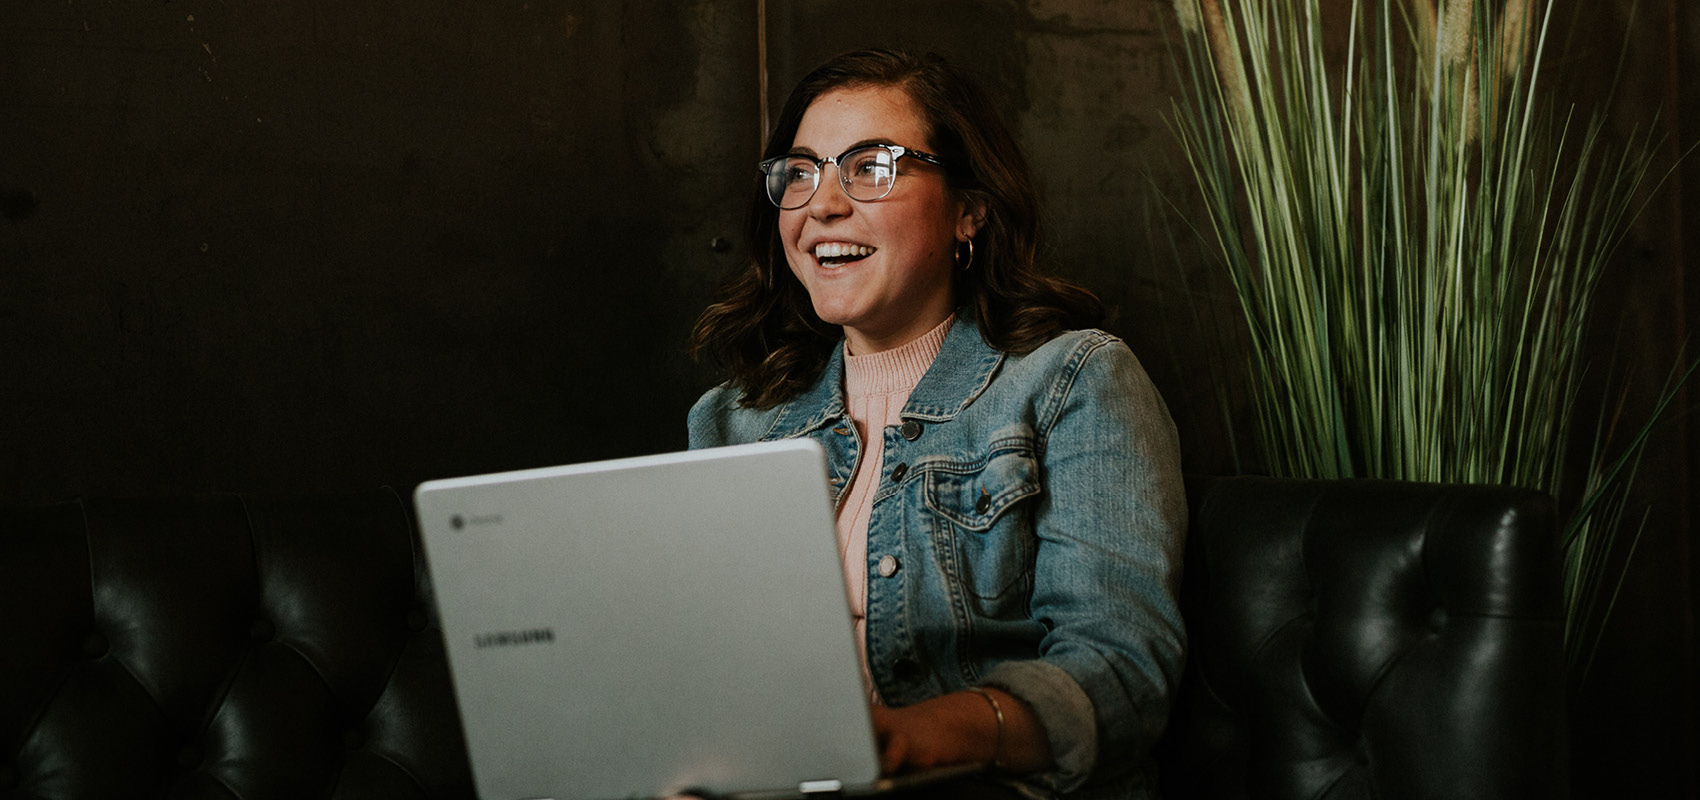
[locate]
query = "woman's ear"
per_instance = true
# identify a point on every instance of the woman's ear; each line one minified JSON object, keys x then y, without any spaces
{"x":973,"y":217}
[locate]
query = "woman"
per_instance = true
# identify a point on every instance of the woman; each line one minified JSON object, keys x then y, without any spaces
{"x":1009,"y":501}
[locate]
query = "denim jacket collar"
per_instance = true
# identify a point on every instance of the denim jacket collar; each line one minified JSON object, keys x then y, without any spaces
{"x":964,"y":366}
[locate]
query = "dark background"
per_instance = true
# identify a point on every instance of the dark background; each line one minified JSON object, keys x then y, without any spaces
{"x":305,"y":245}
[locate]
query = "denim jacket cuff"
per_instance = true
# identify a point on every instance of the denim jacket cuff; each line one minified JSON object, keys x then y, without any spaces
{"x":1065,"y":711}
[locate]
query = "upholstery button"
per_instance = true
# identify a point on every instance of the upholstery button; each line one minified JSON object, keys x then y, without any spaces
{"x":898,"y":472}
{"x":983,"y":504}
{"x":887,"y":566}
{"x":911,"y":430}
{"x":261,"y":630}
{"x":1437,"y":620}
{"x":95,"y":645}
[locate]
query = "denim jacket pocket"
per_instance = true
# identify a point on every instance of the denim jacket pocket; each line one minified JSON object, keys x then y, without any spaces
{"x":979,"y":517}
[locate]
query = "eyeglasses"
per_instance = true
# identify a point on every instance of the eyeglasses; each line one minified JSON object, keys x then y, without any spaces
{"x":867,"y":173}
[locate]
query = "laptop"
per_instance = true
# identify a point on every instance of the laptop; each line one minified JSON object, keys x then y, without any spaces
{"x":649,"y":626}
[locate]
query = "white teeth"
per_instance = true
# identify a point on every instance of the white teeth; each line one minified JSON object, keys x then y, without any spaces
{"x":837,"y":250}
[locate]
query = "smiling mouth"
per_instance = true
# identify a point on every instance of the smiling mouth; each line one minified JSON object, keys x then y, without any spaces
{"x":838,"y":254}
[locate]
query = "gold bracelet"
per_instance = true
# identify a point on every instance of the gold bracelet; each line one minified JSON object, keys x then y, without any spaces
{"x":997,"y":744}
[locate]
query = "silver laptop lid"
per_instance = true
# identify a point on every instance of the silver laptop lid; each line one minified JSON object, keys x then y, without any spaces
{"x":636,"y":627}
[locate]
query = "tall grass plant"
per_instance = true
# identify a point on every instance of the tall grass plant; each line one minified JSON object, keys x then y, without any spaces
{"x":1416,"y":233}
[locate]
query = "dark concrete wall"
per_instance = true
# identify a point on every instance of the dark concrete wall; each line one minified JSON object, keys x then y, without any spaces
{"x":275,"y":246}
{"x":313,"y":245}
{"x":303,"y":245}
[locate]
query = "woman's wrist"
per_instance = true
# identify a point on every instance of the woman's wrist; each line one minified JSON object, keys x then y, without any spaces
{"x":1019,"y":743}
{"x":997,"y":712}
{"x":963,"y":728}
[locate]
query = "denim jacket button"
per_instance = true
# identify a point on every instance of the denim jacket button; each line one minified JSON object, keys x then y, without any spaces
{"x":898,"y":472}
{"x":911,"y":430}
{"x":887,"y":566}
{"x":983,"y":504}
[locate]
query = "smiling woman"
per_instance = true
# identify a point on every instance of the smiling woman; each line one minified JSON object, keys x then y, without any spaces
{"x":765,"y":331}
{"x":1007,"y":481}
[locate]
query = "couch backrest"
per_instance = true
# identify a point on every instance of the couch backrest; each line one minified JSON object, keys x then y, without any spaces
{"x":1348,"y":639}
{"x":1369,"y":639}
{"x":222,"y":647}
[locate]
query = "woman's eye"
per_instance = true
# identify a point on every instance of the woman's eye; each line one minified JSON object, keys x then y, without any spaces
{"x":872,"y":167}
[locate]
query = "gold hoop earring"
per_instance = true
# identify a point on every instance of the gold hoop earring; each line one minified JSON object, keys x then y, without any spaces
{"x":965,"y":264}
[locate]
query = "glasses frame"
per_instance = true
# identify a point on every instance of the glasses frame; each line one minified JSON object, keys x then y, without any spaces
{"x":897,"y":152}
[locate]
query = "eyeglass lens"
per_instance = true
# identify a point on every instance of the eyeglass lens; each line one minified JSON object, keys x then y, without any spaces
{"x":866,"y":173}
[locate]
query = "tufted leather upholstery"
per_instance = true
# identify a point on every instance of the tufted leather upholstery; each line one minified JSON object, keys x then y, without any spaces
{"x":222,"y":648}
{"x":1358,"y":639}
{"x":1349,"y":639}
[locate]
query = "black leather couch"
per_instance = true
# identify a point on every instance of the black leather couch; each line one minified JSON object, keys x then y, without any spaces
{"x":1370,"y":639}
{"x":222,"y":647}
{"x":1350,"y":639}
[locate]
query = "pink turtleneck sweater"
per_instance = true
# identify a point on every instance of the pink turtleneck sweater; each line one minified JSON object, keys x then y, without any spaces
{"x":875,"y":388}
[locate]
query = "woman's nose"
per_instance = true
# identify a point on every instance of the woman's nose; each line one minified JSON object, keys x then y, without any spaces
{"x":829,"y":200}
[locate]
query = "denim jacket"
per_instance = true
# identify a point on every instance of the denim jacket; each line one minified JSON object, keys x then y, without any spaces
{"x":1026,"y":534}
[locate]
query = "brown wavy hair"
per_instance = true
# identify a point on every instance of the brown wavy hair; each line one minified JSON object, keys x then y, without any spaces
{"x":762,"y":328}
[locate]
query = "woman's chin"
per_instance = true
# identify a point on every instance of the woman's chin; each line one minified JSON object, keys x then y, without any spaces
{"x":837,"y":311}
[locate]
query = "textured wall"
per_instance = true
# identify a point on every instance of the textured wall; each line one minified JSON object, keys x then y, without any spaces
{"x":270,"y":246}
{"x":257,"y":247}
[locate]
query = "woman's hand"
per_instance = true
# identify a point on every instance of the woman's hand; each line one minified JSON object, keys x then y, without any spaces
{"x":961,"y":728}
